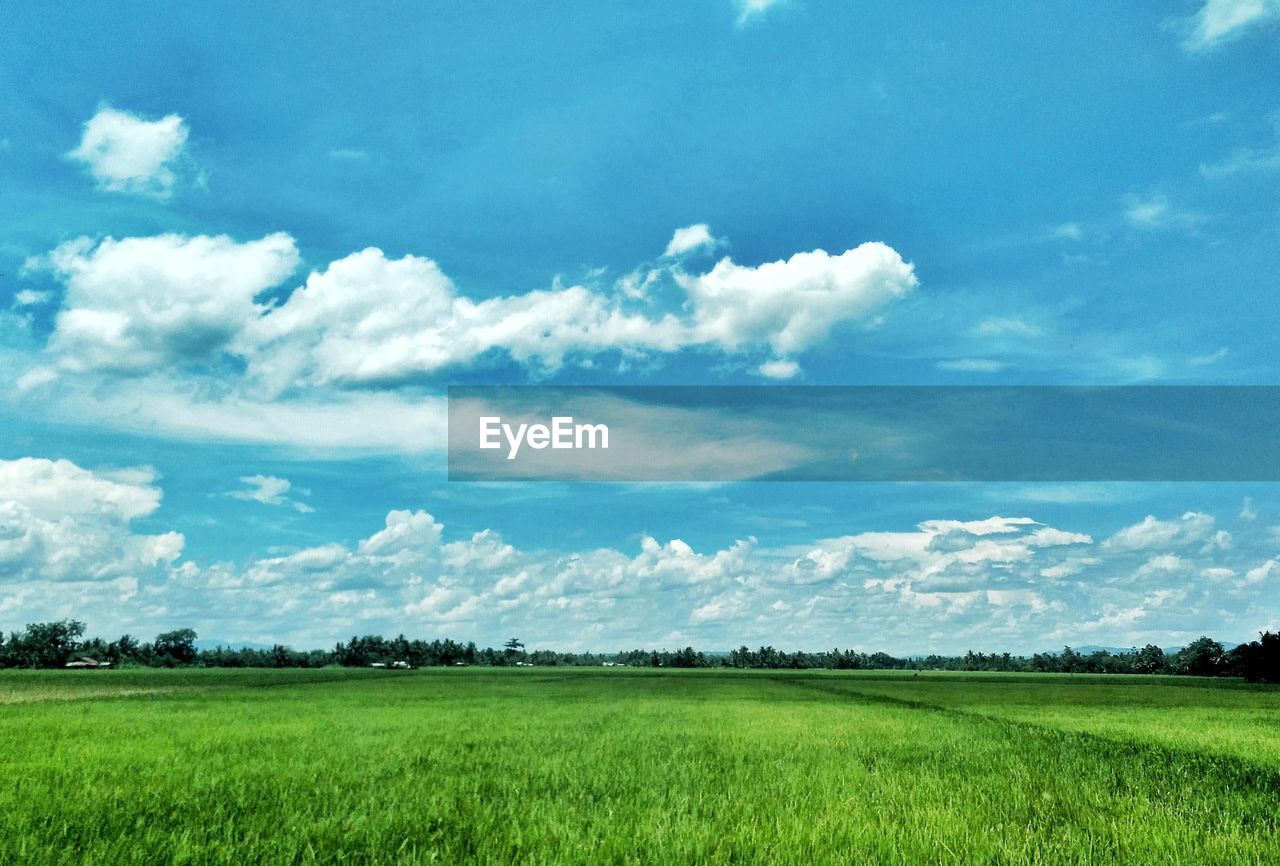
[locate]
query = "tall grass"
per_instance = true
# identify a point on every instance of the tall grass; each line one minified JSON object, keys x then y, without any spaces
{"x":538,"y":766}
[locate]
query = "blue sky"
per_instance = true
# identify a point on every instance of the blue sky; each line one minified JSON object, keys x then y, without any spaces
{"x":259,"y":243}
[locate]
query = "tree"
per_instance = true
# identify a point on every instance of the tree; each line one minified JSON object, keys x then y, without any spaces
{"x":45,"y":644}
{"x":124,"y":650}
{"x":513,"y":648}
{"x":1150,"y":660}
{"x":1259,"y":660}
{"x":177,"y":647}
{"x":1203,"y":657}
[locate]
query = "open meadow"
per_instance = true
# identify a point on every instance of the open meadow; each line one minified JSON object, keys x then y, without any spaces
{"x":556,"y":765}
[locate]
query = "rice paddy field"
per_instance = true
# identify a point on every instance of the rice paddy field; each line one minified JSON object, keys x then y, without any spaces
{"x":552,"y":765}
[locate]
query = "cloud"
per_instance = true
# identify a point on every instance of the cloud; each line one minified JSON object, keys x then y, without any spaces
{"x":989,"y":526}
{"x":1220,"y":21}
{"x":1007,"y":326}
{"x":369,"y":320}
{"x":269,"y":490}
{"x":1247,"y":511}
{"x":793,"y":304}
{"x":125,"y":153}
{"x":1265,"y":571}
{"x":1211,"y":358}
{"x":1243,"y":160}
{"x":754,"y":10}
{"x":971,"y":365}
{"x":779,"y":368}
{"x":1156,"y":213}
{"x":1191,"y":527}
{"x":171,"y":303}
{"x":688,"y":239}
{"x":948,"y":584}
{"x":185,"y":336}
{"x":60,"y":522}
{"x":30,"y":298}
{"x":139,"y":304}
{"x":319,"y":424}
{"x":1246,"y":160}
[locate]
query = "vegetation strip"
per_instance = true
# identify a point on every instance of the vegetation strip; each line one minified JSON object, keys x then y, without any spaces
{"x":1233,"y":773}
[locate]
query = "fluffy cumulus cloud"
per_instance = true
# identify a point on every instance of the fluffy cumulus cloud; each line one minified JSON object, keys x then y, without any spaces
{"x":369,"y":320}
{"x":60,"y":522}
{"x":790,"y":305}
{"x":67,"y":548}
{"x":156,"y":304}
{"x":127,"y":153}
{"x":1153,"y":533}
{"x":1221,"y":21}
{"x":945,"y":584}
{"x":689,"y":238}
{"x":138,"y":304}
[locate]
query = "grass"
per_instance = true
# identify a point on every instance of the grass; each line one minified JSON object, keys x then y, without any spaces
{"x":552,"y":766}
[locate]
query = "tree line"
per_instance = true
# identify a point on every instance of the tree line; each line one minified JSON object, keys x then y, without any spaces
{"x":57,"y":644}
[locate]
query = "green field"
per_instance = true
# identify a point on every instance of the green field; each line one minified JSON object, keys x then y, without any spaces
{"x":589,"y":766}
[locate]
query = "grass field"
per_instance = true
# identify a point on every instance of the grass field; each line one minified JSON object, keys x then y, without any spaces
{"x":590,"y":766}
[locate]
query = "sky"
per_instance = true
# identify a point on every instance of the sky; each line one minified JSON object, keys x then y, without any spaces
{"x":244,"y":251}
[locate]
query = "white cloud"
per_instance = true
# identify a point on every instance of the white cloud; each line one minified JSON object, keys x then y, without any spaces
{"x":369,"y":320}
{"x":269,"y":490}
{"x":1221,"y":21}
{"x":1162,"y":565}
{"x":793,"y":304}
{"x":1244,"y":160}
{"x":688,"y":239}
{"x":180,"y":305}
{"x":30,"y":298}
{"x":64,"y":523}
{"x":1207,"y":360}
{"x":138,"y":304}
{"x":1268,"y":569}
{"x":1047,"y":536}
{"x":193,"y":411}
{"x":971,"y":365}
{"x":1156,"y":213}
{"x":753,"y":10}
{"x":1247,"y":511}
{"x":1191,"y":527}
{"x":779,"y":368}
{"x":125,"y":153}
{"x":1010,"y":326}
{"x":989,"y":526}
{"x":946,"y":585}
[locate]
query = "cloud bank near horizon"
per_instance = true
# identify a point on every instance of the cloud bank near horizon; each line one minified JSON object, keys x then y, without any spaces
{"x":69,"y":548}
